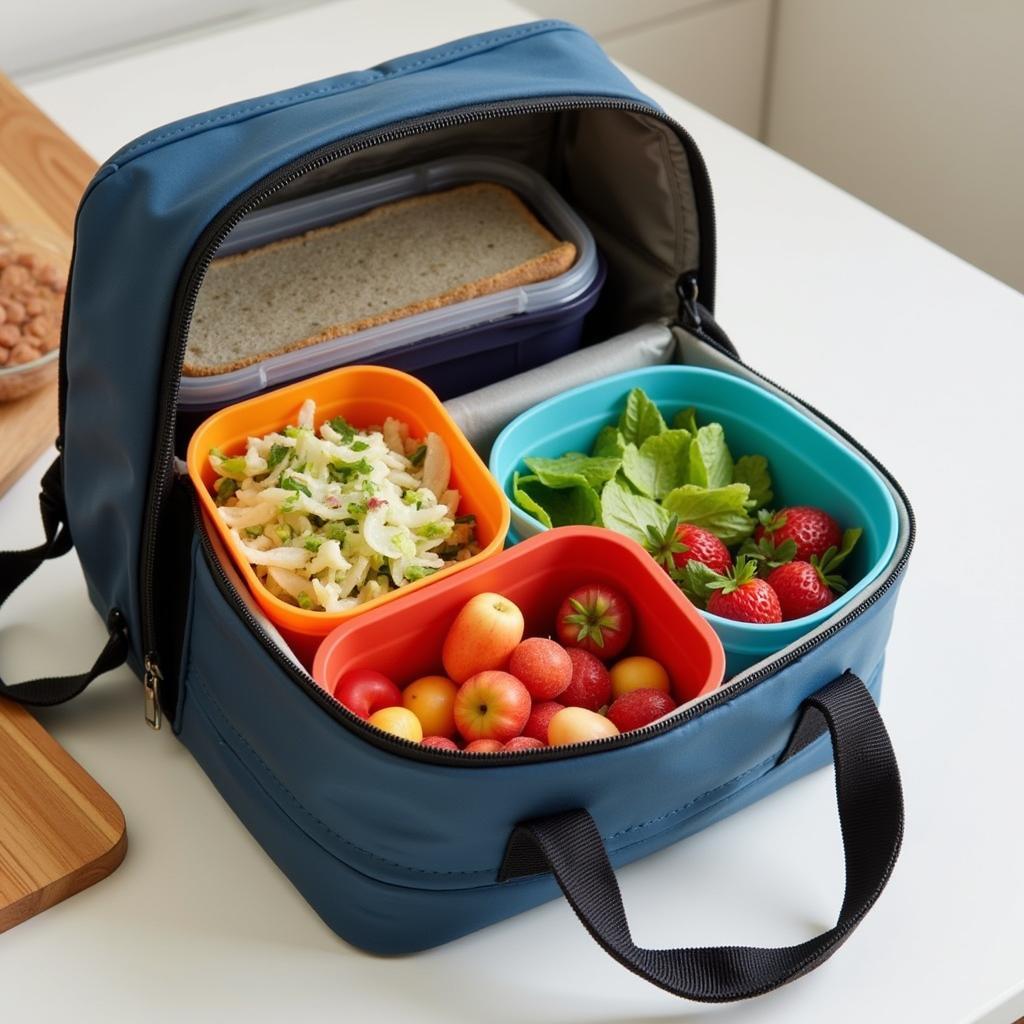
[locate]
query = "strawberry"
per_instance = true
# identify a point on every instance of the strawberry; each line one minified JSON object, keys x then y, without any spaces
{"x":740,"y":595}
{"x":680,"y":543}
{"x":812,"y":530}
{"x":800,"y":588}
{"x":806,"y":587}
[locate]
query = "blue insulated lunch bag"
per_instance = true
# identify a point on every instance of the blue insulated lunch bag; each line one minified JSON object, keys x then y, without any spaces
{"x":398,"y":847}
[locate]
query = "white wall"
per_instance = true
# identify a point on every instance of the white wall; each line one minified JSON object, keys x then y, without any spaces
{"x":713,"y":52}
{"x":40,"y":35}
{"x":915,"y":106}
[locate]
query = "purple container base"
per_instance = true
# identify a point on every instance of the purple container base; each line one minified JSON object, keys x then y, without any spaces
{"x":453,"y":364}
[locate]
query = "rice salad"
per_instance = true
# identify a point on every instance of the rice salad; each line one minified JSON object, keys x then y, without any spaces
{"x":331,"y":519}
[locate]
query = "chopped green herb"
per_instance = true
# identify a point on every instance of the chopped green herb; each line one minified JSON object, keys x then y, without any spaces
{"x":343,"y":429}
{"x":283,"y":532}
{"x":434,"y":530}
{"x":359,"y":446}
{"x":418,"y":572}
{"x":289,"y":483}
{"x":304,"y":600}
{"x":254,"y":531}
{"x":343,"y":472}
{"x":313,"y":543}
{"x":418,"y":455}
{"x":226,"y":488}
{"x":335,"y":531}
{"x":277,"y":454}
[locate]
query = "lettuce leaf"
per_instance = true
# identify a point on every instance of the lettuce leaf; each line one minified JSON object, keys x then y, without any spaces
{"x":632,"y":515}
{"x":574,"y":470}
{"x":660,"y":464}
{"x":710,"y":459}
{"x":609,"y":443}
{"x":686,"y":419}
{"x":722,"y":510}
{"x":557,"y":506}
{"x":640,"y":419}
{"x":752,"y":470}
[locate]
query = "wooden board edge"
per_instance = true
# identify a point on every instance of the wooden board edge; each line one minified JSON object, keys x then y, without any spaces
{"x":61,"y":888}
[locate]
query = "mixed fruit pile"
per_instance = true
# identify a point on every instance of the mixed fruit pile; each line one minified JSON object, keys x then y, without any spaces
{"x":500,"y":692}
{"x":705,"y":517}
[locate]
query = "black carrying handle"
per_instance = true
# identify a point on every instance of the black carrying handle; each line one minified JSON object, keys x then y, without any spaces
{"x":17,"y":566}
{"x":871,"y":818}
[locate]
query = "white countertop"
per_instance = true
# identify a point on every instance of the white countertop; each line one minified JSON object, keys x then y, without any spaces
{"x":915,"y":352}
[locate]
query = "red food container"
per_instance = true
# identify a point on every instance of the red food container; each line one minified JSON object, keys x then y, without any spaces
{"x":403,"y":640}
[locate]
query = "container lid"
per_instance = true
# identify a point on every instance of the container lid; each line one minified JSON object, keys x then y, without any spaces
{"x":347,"y":201}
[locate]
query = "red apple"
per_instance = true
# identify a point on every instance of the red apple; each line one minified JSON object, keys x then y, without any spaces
{"x":364,"y":691}
{"x":591,"y":686}
{"x":483,"y":635}
{"x":439,"y":743}
{"x":537,"y":724}
{"x":542,"y":666}
{"x":491,"y":705}
{"x":637,"y":708}
{"x":522,"y":743}
{"x":484,"y":747}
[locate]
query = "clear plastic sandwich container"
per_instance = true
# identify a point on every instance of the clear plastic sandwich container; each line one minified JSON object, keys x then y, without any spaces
{"x":453,"y":349}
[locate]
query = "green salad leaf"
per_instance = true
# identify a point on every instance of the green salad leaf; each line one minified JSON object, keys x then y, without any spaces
{"x":609,"y":442}
{"x":640,"y":419}
{"x":632,"y":515}
{"x":752,"y":470}
{"x":722,"y":510}
{"x":660,"y":464}
{"x":577,"y":505}
{"x":710,"y":459}
{"x":686,"y":419}
{"x":574,"y":469}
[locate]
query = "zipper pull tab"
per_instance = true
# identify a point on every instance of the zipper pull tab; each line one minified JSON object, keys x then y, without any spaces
{"x":151,"y":686}
{"x":689,"y":311}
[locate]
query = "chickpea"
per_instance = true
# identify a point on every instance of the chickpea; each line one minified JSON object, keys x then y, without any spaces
{"x":23,"y":353}
{"x":15,"y":311}
{"x":14,"y":276}
{"x":9,"y":336}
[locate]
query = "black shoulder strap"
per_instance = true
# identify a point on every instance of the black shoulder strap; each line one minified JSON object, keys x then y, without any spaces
{"x":17,"y":566}
{"x":871,"y":820}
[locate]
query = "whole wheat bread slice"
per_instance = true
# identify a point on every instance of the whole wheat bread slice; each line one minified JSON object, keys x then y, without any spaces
{"x":396,"y":260}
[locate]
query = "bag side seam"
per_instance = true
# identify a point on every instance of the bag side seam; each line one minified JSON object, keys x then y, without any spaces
{"x":337,"y":89}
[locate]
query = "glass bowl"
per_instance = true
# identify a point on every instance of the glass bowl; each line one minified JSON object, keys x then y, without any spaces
{"x":34,"y":263}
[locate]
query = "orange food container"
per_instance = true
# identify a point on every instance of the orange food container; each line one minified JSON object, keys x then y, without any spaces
{"x":364,"y":395}
{"x":404,"y":641}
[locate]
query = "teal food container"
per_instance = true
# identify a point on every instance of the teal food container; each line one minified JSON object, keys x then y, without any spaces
{"x":809,"y":466}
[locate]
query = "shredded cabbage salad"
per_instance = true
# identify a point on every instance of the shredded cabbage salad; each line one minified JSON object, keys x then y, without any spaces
{"x":333,"y":518}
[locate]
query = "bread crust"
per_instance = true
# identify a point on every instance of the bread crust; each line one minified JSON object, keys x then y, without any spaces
{"x":559,"y":257}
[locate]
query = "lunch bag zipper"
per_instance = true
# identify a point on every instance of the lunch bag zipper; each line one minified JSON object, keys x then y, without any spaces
{"x":725,"y":693}
{"x":202,"y":255}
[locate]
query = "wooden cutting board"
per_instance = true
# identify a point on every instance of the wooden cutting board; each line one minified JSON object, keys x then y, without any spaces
{"x":59,"y":830}
{"x":42,"y":177}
